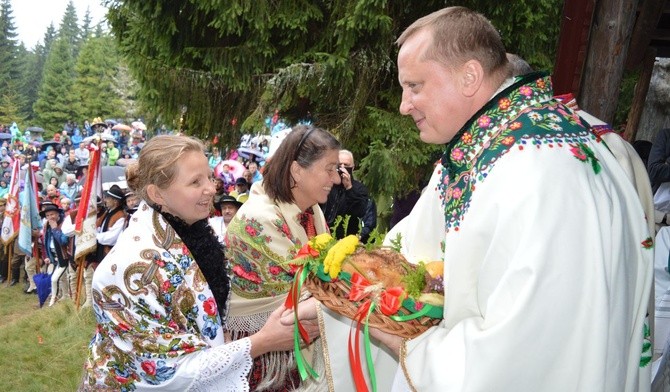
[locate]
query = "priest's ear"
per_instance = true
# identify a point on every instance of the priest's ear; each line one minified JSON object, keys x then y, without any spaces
{"x":472,"y":77}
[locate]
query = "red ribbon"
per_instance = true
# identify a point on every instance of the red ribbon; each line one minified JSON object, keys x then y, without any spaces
{"x":307,"y":251}
{"x":293,"y":298}
{"x":391,"y":300}
{"x":355,"y":361}
{"x":358,"y":286}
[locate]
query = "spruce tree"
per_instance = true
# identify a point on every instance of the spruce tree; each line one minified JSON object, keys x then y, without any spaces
{"x":86,"y":28}
{"x":10,"y":71}
{"x":55,"y":103}
{"x":95,"y":88}
{"x":69,"y":29}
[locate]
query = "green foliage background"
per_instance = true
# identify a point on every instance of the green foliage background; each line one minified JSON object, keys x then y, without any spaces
{"x":223,"y":66}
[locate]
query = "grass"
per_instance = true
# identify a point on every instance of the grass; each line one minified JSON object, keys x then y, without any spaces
{"x":41,"y":349}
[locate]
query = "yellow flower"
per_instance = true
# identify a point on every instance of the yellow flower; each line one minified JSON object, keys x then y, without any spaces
{"x":320,"y":241}
{"x":332,"y":264}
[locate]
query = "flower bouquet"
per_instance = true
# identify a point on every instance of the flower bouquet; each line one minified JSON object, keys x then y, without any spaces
{"x":371,"y":285}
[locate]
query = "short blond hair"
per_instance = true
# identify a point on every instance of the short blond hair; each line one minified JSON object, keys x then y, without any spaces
{"x":459,"y":35}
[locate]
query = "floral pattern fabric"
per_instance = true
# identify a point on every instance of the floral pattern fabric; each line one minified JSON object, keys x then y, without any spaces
{"x":262,"y":237}
{"x":157,"y":318}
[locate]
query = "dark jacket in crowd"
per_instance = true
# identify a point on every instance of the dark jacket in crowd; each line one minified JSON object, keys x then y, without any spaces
{"x":369,"y":221}
{"x":342,"y":202}
{"x":658,"y":164}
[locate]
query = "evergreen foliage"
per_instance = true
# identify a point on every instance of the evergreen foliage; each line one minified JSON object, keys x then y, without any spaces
{"x":69,"y":29}
{"x":9,"y":70}
{"x":55,"y":104}
{"x":213,"y":62}
{"x":95,"y":92}
{"x":86,"y":28}
{"x":12,"y":102}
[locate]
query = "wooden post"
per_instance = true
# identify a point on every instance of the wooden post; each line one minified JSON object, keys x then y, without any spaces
{"x":81,"y":266}
{"x":646,"y":23}
{"x":573,"y":42}
{"x":608,"y":47}
{"x":641,"y":89}
{"x":10,"y":256}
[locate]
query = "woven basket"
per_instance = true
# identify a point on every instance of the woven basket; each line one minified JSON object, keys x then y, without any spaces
{"x":334,"y":295}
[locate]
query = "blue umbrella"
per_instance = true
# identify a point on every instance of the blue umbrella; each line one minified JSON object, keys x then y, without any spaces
{"x":43,"y":283}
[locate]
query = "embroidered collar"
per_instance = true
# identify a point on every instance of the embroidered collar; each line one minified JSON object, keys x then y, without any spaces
{"x":525,"y":79}
{"x":523,"y":114}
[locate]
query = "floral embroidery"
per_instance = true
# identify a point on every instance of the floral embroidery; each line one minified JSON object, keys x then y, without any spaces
{"x":484,"y":121}
{"x":584,"y":153}
{"x":535,"y":122}
{"x":648,"y":243}
{"x":156,"y":372}
{"x":515,"y":125}
{"x":457,"y":154}
{"x":466,"y":138}
{"x":508,"y":141}
{"x":645,"y":357}
{"x":526,"y":91}
{"x":504,"y":104}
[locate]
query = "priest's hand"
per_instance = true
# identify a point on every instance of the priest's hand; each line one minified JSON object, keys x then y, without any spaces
{"x":393,"y":342}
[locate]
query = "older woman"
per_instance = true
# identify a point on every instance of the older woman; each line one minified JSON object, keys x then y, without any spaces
{"x":281,"y":214}
{"x":161,"y":294}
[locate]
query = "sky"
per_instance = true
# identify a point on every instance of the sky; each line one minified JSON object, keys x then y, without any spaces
{"x":32,"y":17}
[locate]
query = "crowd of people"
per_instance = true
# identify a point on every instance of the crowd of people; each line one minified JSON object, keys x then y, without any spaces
{"x":544,"y":232}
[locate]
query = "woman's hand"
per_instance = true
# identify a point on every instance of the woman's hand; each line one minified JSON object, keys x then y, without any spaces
{"x":306,"y":312}
{"x":275,"y":336}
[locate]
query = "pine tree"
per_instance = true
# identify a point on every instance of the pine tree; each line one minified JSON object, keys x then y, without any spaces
{"x":10,"y":108}
{"x":49,"y":38}
{"x":86,"y":26}
{"x":11,"y":100}
{"x":69,"y":29}
{"x":31,"y":75}
{"x":95,"y":89}
{"x":55,"y":104}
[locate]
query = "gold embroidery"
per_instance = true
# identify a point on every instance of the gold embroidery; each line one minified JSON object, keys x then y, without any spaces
{"x":199,"y":281}
{"x":106,"y":301}
{"x":324,"y":346}
{"x":402,"y":354}
{"x":147,"y":272}
{"x":185,"y":301}
{"x":163,"y":238}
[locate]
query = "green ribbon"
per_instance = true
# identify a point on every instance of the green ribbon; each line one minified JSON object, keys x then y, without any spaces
{"x":304,"y":368}
{"x":368,"y":353}
{"x":424,"y":310}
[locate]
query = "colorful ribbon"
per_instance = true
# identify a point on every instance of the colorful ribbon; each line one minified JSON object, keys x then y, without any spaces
{"x":359,"y":287}
{"x":362,"y":318}
{"x":424,"y":310}
{"x":391,"y":299}
{"x":304,"y":368}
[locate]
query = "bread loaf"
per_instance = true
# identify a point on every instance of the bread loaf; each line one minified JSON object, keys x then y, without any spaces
{"x":378,"y":266}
